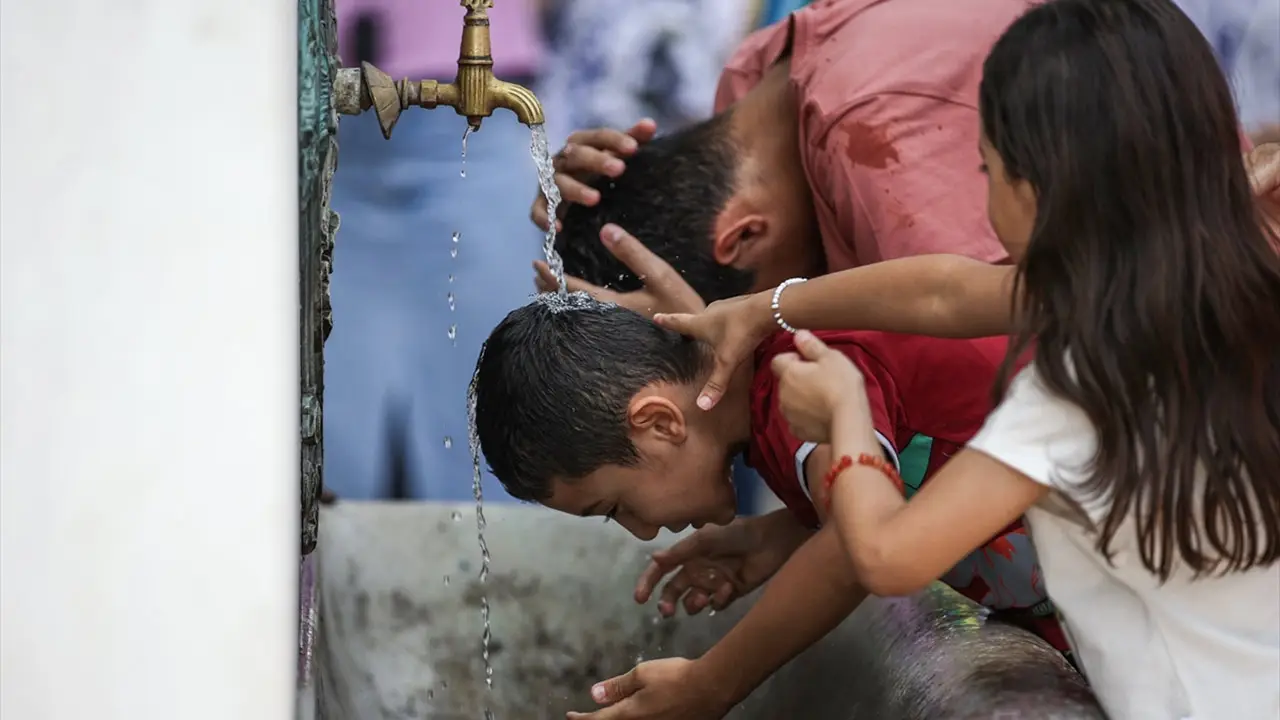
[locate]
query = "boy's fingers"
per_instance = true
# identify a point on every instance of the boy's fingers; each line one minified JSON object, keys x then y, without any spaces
{"x":616,"y":688}
{"x":696,"y":601}
{"x":680,"y":553}
{"x":644,"y":130}
{"x":723,"y":596}
{"x":649,"y":580}
{"x":675,"y":588}
{"x":575,"y":191}
{"x":582,"y":160}
{"x":608,"y":139}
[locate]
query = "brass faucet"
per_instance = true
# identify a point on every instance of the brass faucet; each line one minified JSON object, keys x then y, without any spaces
{"x":475,"y":93}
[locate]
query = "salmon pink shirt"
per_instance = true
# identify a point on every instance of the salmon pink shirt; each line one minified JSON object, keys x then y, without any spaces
{"x":888,"y":95}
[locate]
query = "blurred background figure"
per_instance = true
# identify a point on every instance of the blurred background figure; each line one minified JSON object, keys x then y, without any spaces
{"x":393,"y":371}
{"x":1245,"y":35}
{"x":613,"y":62}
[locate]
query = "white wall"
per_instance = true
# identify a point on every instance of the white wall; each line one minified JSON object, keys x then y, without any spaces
{"x":148,"y":359}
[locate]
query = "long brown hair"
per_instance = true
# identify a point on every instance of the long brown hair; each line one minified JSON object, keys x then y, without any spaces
{"x":1150,"y":288}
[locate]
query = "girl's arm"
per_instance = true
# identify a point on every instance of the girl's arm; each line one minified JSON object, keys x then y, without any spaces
{"x":899,"y":547}
{"x":936,"y":295}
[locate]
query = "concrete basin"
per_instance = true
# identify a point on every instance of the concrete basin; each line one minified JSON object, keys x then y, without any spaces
{"x":398,"y":628}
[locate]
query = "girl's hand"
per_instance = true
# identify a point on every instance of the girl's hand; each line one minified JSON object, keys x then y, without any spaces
{"x":733,"y":328}
{"x":665,"y":290}
{"x":817,"y":385}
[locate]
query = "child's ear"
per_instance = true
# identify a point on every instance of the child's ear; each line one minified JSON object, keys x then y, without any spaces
{"x":657,"y":415}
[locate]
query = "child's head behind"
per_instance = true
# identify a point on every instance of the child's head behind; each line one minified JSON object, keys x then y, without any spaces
{"x":589,"y":409}
{"x":1146,"y":278}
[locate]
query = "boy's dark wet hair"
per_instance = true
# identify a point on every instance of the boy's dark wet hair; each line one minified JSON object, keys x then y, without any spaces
{"x":554,"y":382}
{"x":1150,"y":286}
{"x":669,"y":198}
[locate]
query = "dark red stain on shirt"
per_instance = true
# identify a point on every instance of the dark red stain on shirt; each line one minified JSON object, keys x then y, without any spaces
{"x":869,"y":146}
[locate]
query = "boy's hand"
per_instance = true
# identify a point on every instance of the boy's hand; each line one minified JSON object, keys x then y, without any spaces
{"x":719,"y":564}
{"x":664,"y":289}
{"x":670,"y":689}
{"x":599,"y":151}
{"x":815,"y":385}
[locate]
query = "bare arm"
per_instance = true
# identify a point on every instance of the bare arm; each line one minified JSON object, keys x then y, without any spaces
{"x":938,"y":295}
{"x":899,"y":547}
{"x":812,"y":594}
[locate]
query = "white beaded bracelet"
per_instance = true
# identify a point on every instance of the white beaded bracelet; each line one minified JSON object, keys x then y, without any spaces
{"x":777,"y":295}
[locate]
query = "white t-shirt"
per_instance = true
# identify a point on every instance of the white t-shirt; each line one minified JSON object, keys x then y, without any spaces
{"x":1206,"y":649}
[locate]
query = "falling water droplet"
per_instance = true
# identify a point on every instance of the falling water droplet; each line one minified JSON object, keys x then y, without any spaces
{"x":456,"y":516}
{"x":453,"y":333}
{"x":656,"y":619}
{"x":450,"y":278}
{"x":453,"y":252}
{"x":712,"y":613}
{"x":639,"y":659}
{"x":446,"y":579}
{"x":448,"y":442}
{"x":431,"y":694}
{"x":453,"y":303}
{"x":465,"y":134}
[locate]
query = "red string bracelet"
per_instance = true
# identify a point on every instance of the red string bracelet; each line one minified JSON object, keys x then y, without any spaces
{"x":866,"y":460}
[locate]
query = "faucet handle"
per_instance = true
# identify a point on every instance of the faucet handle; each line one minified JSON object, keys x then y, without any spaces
{"x":477,"y":6}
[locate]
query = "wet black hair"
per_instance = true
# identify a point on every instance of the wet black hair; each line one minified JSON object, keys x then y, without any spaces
{"x":1150,"y":288}
{"x":553,"y":384}
{"x":673,"y":190}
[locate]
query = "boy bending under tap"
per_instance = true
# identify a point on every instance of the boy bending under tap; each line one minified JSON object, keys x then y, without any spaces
{"x":589,"y":409}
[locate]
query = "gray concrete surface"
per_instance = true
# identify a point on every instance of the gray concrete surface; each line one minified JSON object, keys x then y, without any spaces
{"x":399,"y":631}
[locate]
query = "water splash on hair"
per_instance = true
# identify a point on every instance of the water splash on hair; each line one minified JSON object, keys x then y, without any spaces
{"x":547,"y":183}
{"x":571,"y":302}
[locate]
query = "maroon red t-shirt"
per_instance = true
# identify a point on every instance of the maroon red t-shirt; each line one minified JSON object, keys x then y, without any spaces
{"x":935,"y":387}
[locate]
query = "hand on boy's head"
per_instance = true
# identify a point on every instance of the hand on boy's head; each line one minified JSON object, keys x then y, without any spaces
{"x":733,"y":327}
{"x":667,"y":689}
{"x":664,"y":290}
{"x":599,"y":151}
{"x":815,"y":385}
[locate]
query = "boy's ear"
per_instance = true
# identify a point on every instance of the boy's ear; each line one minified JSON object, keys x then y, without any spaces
{"x":656,"y":414}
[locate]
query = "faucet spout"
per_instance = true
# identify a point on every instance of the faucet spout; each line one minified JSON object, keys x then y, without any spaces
{"x":475,"y":93}
{"x":518,"y":99}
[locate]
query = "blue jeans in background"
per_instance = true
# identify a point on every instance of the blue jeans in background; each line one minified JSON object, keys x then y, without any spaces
{"x":390,"y":352}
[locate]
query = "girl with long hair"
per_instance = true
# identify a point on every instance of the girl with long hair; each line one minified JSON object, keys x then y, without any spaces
{"x":1139,"y":430}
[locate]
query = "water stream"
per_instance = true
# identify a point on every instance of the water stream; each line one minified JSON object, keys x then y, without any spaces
{"x":546,"y":183}
{"x":473,"y":440}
